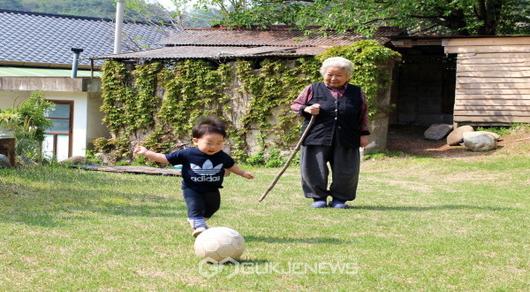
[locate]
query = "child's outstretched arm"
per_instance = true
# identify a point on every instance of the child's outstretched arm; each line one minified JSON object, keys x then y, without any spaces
{"x":235,"y":169}
{"x":151,"y":155}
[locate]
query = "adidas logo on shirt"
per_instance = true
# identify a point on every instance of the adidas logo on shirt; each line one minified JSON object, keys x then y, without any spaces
{"x":207,"y":168}
{"x":206,"y":172}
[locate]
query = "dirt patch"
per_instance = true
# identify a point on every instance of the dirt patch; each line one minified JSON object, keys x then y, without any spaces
{"x":410,"y":140}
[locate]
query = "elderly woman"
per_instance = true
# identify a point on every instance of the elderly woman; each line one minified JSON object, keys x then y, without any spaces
{"x":339,"y":129}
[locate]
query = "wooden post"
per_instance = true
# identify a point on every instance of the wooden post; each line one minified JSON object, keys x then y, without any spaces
{"x":7,"y":147}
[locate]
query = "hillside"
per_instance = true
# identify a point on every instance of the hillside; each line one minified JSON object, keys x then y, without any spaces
{"x":91,"y":8}
{"x":135,"y":11}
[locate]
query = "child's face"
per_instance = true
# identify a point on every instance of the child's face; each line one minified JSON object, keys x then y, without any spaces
{"x":210,"y":143}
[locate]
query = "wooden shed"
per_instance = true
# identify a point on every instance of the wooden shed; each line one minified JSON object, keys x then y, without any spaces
{"x":492,"y":79}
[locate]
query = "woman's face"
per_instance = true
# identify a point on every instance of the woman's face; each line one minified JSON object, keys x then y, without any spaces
{"x":335,"y":77}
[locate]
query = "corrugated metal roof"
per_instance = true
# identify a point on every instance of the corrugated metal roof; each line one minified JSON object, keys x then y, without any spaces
{"x":215,"y":43}
{"x":274,"y":37}
{"x":389,"y":31}
{"x":217,"y":52}
{"x":47,"y":38}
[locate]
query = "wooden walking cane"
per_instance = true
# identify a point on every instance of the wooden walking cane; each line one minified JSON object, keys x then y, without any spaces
{"x":306,"y":131}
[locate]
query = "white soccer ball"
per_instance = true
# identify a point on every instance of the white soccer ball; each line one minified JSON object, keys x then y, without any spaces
{"x":218,"y":244}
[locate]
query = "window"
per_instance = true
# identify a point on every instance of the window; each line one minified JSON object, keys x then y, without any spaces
{"x":58,"y":137}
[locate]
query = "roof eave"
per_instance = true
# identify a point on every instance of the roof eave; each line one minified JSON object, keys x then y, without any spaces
{"x":41,"y":65}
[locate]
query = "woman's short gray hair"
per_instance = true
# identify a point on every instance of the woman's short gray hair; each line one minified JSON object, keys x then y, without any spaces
{"x":338,"y":62}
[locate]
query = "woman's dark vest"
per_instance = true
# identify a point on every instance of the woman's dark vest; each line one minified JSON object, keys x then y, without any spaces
{"x":340,"y":117}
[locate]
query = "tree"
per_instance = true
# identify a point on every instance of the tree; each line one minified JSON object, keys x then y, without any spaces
{"x":463,"y":17}
{"x":253,"y":13}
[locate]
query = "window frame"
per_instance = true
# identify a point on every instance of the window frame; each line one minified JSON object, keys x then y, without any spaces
{"x":70,"y":126}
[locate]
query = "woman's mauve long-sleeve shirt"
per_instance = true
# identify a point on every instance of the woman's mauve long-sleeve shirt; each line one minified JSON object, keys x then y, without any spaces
{"x":306,"y":95}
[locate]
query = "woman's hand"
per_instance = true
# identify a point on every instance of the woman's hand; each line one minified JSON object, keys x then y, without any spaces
{"x":313,"y":109}
{"x":364,"y":141}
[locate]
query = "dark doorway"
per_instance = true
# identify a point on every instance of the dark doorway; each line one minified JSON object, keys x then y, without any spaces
{"x":424,"y":87}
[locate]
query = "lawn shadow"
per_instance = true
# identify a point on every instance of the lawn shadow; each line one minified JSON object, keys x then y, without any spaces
{"x":132,"y":206}
{"x":33,"y":219}
{"x":428,"y":208}
{"x":38,"y":207}
{"x":253,"y":261}
{"x":311,"y":240}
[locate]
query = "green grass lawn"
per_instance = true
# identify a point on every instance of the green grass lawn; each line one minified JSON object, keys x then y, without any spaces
{"x":418,"y":223}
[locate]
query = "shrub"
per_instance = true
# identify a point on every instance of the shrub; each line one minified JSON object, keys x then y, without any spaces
{"x":256,"y":159}
{"x":275,"y":158}
{"x":28,"y":122}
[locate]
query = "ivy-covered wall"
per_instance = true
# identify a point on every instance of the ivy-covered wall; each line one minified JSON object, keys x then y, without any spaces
{"x":157,"y":104}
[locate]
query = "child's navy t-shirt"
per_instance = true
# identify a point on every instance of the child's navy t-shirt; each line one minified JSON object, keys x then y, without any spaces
{"x":200,"y":171}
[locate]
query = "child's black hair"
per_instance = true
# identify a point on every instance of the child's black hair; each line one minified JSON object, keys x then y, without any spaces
{"x":208,"y":125}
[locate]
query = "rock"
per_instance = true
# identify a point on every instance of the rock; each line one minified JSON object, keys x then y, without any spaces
{"x":25,"y":161}
{"x":476,"y":141}
{"x":457,"y":135}
{"x":104,"y":158}
{"x":437,"y":131}
{"x":4,"y":161}
{"x":74,"y":160}
{"x":495,"y":136}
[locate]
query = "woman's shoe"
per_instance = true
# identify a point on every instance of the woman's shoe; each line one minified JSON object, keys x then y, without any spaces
{"x":319,"y":204}
{"x":338,"y":204}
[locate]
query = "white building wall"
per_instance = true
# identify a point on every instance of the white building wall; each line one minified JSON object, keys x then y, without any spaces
{"x":79,"y":123}
{"x":10,"y":99}
{"x":95,"y":128}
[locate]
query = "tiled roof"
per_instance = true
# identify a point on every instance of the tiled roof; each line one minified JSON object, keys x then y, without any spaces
{"x":215,"y":43}
{"x":46,"y":38}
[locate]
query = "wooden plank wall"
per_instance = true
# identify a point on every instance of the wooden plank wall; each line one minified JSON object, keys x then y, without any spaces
{"x":492,"y":80}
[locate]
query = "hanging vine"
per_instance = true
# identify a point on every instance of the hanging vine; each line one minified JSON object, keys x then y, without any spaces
{"x":195,"y":89}
{"x":146,"y":103}
{"x":271,"y":89}
{"x":116,"y":95}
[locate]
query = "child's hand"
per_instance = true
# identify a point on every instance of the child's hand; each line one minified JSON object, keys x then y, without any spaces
{"x":247,"y":175}
{"x":139,"y":150}
{"x":235,"y":169}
